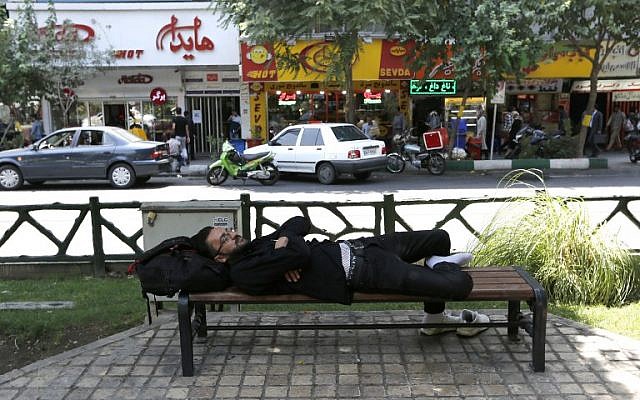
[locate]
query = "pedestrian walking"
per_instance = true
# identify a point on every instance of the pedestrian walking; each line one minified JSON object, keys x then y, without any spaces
{"x":615,"y":126}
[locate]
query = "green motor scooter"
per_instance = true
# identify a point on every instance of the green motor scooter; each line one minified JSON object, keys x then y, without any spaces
{"x":255,"y":166}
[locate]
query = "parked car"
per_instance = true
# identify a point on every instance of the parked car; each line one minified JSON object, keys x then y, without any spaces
{"x":93,"y":152}
{"x":326,"y":150}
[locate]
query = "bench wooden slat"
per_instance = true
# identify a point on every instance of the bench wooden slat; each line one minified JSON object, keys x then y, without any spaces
{"x":511,"y":284}
{"x":233,"y":296}
{"x":489,"y":283}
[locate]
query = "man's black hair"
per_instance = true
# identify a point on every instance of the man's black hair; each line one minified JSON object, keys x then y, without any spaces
{"x":199,"y":242}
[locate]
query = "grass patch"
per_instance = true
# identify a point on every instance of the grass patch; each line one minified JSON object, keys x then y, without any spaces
{"x":624,"y":320}
{"x":113,"y":303}
{"x":102,"y":307}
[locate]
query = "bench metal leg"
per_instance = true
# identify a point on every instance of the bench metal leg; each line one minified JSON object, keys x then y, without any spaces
{"x":539,"y":329}
{"x":512,"y":316}
{"x":186,"y":335}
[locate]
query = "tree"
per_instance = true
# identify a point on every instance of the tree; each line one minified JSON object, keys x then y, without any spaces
{"x":72,"y":60}
{"x":591,"y":28}
{"x":48,"y":62}
{"x":22,"y":65}
{"x":485,"y":41}
{"x":276,"y":21}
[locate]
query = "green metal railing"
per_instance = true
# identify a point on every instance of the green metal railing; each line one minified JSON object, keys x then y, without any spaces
{"x":381,"y":216}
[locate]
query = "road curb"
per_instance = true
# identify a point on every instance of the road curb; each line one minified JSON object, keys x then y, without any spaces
{"x":560,"y":163}
{"x":482,"y":165}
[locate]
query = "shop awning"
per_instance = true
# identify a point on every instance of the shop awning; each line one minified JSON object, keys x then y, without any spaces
{"x":607,"y":85}
{"x":534,"y":86}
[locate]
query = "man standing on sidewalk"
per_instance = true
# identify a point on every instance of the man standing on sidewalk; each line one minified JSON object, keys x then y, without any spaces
{"x":180,"y":127}
{"x":595,"y":129}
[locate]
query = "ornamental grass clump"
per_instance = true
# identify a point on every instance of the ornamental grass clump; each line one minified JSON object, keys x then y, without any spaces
{"x":553,"y":239}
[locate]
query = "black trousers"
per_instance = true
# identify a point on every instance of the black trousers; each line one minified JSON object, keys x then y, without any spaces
{"x":388,"y":267}
{"x":590,"y":143}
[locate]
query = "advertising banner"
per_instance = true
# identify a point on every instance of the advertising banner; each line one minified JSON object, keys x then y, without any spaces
{"x":148,"y":34}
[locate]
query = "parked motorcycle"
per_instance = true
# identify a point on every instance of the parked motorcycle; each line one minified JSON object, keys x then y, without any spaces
{"x":633,"y":146}
{"x":255,"y":166}
{"x":409,"y":150}
{"x":538,"y":137}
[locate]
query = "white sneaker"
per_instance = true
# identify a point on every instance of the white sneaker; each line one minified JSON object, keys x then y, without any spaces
{"x":461,"y":259}
{"x":443,"y":317}
{"x":472,"y":317}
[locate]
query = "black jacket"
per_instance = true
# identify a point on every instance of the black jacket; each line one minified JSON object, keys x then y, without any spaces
{"x":260,"y":268}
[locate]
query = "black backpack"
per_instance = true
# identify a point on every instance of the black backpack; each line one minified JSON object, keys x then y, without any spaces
{"x":175,"y":265}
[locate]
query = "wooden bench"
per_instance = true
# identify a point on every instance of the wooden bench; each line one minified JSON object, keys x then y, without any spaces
{"x":511,"y":284}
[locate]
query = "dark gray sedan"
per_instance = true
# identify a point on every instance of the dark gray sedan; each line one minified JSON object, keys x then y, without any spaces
{"x":93,"y":152}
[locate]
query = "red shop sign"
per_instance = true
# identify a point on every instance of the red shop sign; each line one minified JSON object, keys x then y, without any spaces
{"x":158,"y":96}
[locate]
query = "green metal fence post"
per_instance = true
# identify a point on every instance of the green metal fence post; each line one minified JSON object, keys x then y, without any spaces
{"x":245,"y":212}
{"x":389,"y":215}
{"x":99,"y":266}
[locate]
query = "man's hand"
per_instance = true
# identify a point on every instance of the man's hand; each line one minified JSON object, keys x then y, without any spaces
{"x":293,"y":275}
{"x":281,"y":242}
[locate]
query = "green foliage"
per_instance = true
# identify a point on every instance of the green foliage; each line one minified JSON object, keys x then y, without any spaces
{"x":553,"y":238}
{"x":44,"y":60}
{"x":22,"y":66}
{"x":486,"y":39}
{"x":277,"y":21}
{"x":592,"y":29}
{"x":562,"y":147}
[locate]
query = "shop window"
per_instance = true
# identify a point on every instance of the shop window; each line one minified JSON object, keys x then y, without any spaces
{"x":96,"y":117}
{"x":311,"y":137}
{"x":157,"y":120}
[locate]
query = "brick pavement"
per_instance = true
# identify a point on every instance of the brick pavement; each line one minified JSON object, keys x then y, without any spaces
{"x":143,"y":363}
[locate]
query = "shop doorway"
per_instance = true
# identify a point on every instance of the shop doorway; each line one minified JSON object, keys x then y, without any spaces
{"x":115,"y":115}
{"x":422,"y":106}
{"x":213,"y":127}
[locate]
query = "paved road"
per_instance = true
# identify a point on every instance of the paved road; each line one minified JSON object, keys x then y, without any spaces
{"x":621,"y":178}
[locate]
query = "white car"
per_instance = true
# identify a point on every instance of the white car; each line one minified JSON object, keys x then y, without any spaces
{"x":326,"y":150}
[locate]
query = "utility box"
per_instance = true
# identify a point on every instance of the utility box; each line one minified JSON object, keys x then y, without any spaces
{"x":165,"y":220}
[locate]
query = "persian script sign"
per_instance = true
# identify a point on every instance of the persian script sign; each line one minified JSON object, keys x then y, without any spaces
{"x":185,"y":37}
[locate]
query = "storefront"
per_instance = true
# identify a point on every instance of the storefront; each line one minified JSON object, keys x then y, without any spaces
{"x":624,"y":93}
{"x":537,"y":100}
{"x":277,"y":98}
{"x":166,"y":55}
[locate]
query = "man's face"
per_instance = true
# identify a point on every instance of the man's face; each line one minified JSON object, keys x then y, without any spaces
{"x":224,"y":242}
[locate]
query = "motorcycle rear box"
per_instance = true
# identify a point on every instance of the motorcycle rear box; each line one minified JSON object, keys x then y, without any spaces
{"x":433,"y":140}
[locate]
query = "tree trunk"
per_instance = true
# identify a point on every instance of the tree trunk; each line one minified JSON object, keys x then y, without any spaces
{"x":348,"y":57}
{"x":591,"y":102}
{"x":349,"y":109}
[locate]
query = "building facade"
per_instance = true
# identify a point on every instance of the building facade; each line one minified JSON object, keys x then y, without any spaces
{"x":165,"y":55}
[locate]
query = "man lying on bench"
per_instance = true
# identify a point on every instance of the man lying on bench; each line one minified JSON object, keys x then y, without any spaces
{"x":283,"y":262}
